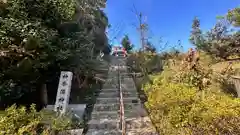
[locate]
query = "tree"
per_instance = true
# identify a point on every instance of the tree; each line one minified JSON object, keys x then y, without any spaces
{"x":150,"y":47}
{"x":38,"y":39}
{"x":126,"y":43}
{"x":220,"y":41}
{"x":234,"y":16}
{"x":196,"y":34}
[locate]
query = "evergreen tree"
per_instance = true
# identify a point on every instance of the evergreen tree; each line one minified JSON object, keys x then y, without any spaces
{"x":126,"y":43}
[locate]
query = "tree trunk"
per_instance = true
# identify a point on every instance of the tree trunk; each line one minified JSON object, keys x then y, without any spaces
{"x":44,"y":95}
{"x":85,"y":82}
{"x":78,"y":81}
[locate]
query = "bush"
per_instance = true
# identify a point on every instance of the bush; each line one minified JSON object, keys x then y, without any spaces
{"x":145,"y":62}
{"x":176,"y":108}
{"x":19,"y":121}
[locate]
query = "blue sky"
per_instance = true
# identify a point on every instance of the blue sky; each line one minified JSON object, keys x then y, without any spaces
{"x":170,"y":20}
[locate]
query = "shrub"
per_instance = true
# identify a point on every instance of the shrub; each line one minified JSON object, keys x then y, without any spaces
{"x":145,"y":62}
{"x":19,"y":121}
{"x":176,"y":108}
{"x":192,"y":72}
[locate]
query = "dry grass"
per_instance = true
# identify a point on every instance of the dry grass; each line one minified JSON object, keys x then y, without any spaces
{"x":222,"y":65}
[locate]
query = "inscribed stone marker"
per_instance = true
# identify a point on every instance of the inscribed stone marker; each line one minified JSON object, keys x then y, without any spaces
{"x":63,"y":94}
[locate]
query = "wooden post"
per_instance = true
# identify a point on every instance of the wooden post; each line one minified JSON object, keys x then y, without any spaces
{"x":236,"y":82}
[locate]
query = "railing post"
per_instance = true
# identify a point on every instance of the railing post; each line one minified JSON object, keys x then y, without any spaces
{"x":236,"y":82}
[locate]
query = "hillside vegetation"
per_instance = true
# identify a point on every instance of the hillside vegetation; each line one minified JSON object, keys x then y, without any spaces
{"x":192,"y":93}
{"x":180,"y":103}
{"x":38,"y":40}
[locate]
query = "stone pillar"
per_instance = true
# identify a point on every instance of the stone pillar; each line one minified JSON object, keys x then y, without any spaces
{"x":63,"y":93}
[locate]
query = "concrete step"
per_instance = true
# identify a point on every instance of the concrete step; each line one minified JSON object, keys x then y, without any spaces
{"x":104,"y":132}
{"x":130,"y":93}
{"x":109,"y":94}
{"x":130,"y":97}
{"x":145,"y":131}
{"x":105,"y":115}
{"x":106,"y":107}
{"x":137,"y":113}
{"x":140,"y":126}
{"x":71,"y":132}
{"x":132,"y":106}
{"x":129,"y":100}
{"x":129,"y":85}
{"x":108,"y":100}
{"x":136,"y":123}
{"x":129,"y":89}
{"x":109,"y":90}
{"x":103,"y":124}
{"x":115,"y":86}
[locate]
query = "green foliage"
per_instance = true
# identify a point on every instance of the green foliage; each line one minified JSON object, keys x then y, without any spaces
{"x":39,"y":38}
{"x":196,"y":34}
{"x":234,"y":16}
{"x":150,"y":47}
{"x":220,"y":41}
{"x":145,"y":62}
{"x":18,"y":121}
{"x":187,"y":98}
{"x":176,"y":108}
{"x":126,"y":43}
{"x":193,"y":73}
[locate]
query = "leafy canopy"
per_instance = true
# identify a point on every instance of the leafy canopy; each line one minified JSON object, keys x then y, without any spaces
{"x":220,"y":41}
{"x":126,"y":43}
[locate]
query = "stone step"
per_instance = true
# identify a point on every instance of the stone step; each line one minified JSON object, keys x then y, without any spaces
{"x":104,"y":132}
{"x":102,"y":93}
{"x":106,"y":107}
{"x":126,"y":84}
{"x":129,"y":89}
{"x":71,"y":132}
{"x":111,"y":81}
{"x":137,"y":113}
{"x":105,"y":115}
{"x":109,"y":90}
{"x":110,"y":87}
{"x":130,"y":82}
{"x":129,"y":100}
{"x":134,"y":123}
{"x":132,"y":106}
{"x":104,"y":124}
{"x":108,"y":100}
{"x":140,"y":126}
{"x":132,"y":97}
{"x":108,"y":94}
{"x":130,"y":93}
{"x":144,"y":131}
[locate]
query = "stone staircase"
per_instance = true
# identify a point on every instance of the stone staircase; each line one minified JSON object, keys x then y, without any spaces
{"x":136,"y":118}
{"x":105,"y":118}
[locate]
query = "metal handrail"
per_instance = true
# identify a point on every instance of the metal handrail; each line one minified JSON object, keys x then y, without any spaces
{"x":122,"y":117}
